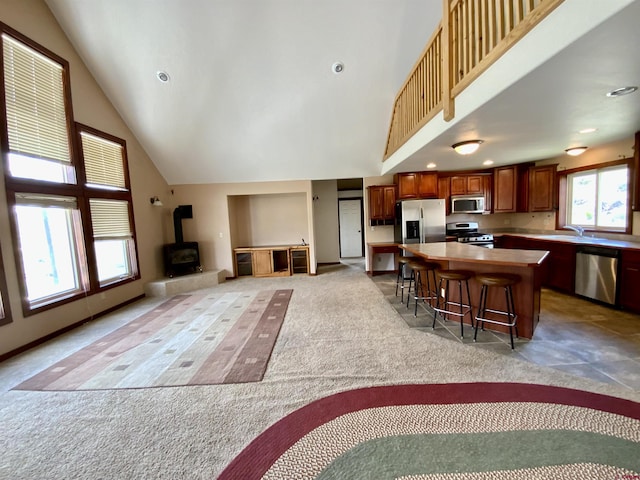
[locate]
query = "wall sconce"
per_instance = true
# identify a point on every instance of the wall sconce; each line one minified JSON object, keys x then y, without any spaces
{"x":575,"y":151}
{"x":466,"y":148}
{"x":155,"y":201}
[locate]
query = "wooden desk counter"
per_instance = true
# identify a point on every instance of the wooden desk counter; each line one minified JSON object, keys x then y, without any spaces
{"x":525,"y":263}
{"x":382,"y":247}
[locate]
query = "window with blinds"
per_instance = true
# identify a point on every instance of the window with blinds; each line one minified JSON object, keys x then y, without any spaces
{"x":110,"y":219}
{"x":113,"y":240}
{"x":38,"y":129}
{"x":69,"y":198}
{"x":103,"y":162}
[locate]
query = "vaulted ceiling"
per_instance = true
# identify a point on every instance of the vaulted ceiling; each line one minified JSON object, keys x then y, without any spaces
{"x":252,"y":95}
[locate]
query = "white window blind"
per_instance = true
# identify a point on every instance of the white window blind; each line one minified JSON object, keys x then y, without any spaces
{"x":43,"y":200}
{"x":35,"y":102}
{"x":110,"y":219}
{"x":103,"y":161}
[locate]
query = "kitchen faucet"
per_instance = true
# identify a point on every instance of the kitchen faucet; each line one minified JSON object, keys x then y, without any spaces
{"x":578,"y":229}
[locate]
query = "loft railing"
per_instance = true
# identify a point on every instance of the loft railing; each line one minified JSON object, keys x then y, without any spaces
{"x":471,"y":36}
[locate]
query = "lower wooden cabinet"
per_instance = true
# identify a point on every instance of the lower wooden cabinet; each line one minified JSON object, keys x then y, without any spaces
{"x":629,"y":280}
{"x":559,"y":267}
{"x":274,"y":261}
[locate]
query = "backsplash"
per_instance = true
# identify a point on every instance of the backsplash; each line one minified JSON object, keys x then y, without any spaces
{"x":541,"y":223}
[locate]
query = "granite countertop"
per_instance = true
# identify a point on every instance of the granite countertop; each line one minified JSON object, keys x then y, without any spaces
{"x":575,"y":240}
{"x":471,"y":253}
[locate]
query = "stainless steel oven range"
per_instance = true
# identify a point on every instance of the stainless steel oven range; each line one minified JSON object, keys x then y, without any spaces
{"x":467,"y":232}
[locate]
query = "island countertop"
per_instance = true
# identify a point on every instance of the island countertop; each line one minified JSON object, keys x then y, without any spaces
{"x":523,"y":263}
{"x":454,"y":251}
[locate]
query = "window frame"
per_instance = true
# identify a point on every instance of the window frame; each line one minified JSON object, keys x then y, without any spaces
{"x":563,"y":193}
{"x":79,"y":190}
{"x":5,"y":308}
{"x":92,"y":192}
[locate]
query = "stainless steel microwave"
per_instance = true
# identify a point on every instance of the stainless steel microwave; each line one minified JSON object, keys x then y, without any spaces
{"x":467,"y":204}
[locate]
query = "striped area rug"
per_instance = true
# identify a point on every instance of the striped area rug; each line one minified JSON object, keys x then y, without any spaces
{"x":453,"y":431}
{"x":187,"y":340}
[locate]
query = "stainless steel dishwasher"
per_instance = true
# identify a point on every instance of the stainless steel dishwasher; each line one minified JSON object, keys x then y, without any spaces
{"x":596,"y":273}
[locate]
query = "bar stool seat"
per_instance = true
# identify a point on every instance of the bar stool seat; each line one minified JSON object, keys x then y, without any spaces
{"x":500,"y":280}
{"x":424,"y":285}
{"x":444,"y":306}
{"x":403,"y":274}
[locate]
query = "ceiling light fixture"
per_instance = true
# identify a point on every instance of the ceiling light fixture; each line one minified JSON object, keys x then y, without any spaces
{"x":466,"y":148}
{"x":488,"y":162}
{"x":431,"y":165}
{"x":588,"y":130}
{"x":575,"y":151}
{"x":618,"y":92}
{"x":163,"y":76}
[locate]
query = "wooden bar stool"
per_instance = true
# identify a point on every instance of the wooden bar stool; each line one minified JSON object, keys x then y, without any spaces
{"x":444,"y":306}
{"x":403,"y":274}
{"x":505,"y":281}
{"x":424,"y":285}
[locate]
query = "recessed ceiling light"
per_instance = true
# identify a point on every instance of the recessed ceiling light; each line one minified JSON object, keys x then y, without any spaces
{"x":618,"y":92}
{"x":488,"y":162}
{"x":163,"y":76}
{"x":431,"y":165}
{"x":337,"y":67}
{"x":588,"y":130}
{"x":575,"y":151}
{"x":466,"y":148}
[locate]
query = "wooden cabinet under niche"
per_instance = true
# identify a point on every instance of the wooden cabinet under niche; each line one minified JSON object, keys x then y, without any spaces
{"x":271,"y":261}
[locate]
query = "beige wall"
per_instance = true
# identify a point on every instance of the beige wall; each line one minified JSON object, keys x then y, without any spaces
{"x":325,"y":214}
{"x":274,"y":219}
{"x":33,"y":19}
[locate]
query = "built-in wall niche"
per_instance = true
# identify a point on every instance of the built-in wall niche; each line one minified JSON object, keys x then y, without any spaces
{"x":268,"y":219}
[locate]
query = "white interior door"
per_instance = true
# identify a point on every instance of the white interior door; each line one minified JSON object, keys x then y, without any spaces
{"x":350,"y":212}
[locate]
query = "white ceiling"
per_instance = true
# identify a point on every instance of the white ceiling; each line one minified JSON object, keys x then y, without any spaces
{"x":252,"y":96}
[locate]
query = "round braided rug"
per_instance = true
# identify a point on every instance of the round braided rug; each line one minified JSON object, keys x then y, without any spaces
{"x":450,"y":431}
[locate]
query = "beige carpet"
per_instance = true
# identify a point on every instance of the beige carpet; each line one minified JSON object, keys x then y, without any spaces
{"x":339,"y":334}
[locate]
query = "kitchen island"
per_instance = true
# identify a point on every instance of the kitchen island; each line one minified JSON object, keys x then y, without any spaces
{"x":524,"y":263}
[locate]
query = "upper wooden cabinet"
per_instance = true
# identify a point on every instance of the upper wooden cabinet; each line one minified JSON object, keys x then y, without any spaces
{"x":542,"y":188}
{"x":417,"y":185}
{"x":382,"y":202}
{"x":467,"y":185}
{"x":505,"y":189}
{"x":524,"y":188}
{"x":444,"y":191}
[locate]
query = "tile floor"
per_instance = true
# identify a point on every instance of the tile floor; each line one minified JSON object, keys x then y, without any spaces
{"x":574,"y":335}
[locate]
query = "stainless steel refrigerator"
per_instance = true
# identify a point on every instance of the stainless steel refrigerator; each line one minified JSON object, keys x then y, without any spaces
{"x":420,"y":221}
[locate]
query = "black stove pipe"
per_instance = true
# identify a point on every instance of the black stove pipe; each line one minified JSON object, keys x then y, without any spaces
{"x":182,"y":211}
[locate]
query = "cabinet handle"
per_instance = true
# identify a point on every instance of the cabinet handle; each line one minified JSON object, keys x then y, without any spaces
{"x":633,"y":269}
